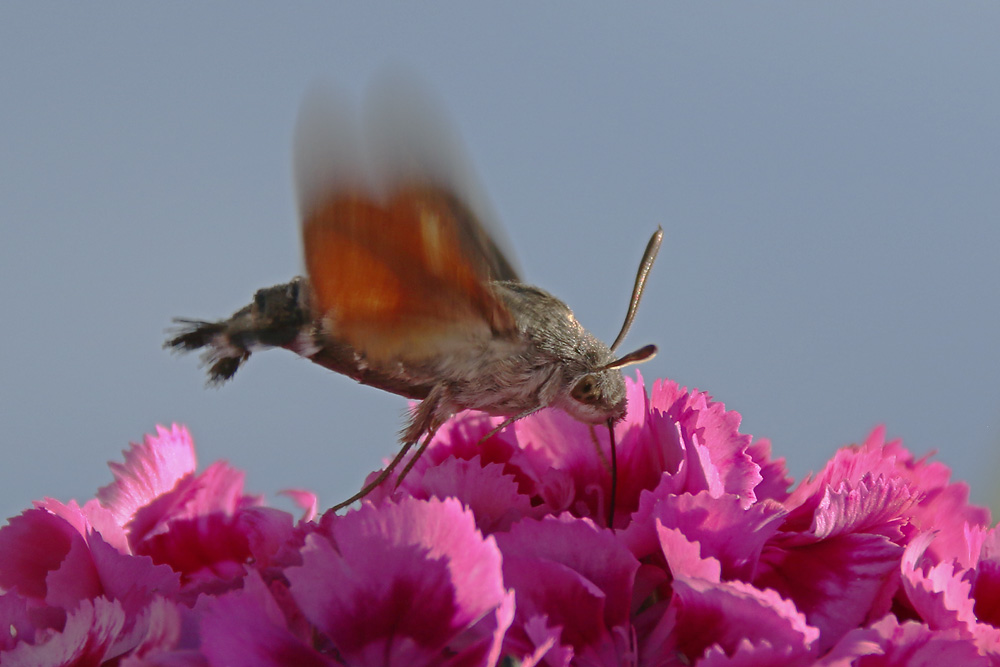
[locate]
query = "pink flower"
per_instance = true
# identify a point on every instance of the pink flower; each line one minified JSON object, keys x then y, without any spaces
{"x":573,"y":583}
{"x":891,"y":643}
{"x":171,"y":534}
{"x":100,"y":601}
{"x":248,"y":626}
{"x":407,"y":584}
{"x":986,"y":583}
{"x":840,"y":550}
{"x":548,"y":463}
{"x":495,"y":550}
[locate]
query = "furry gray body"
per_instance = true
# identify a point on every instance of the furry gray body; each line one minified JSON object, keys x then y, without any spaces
{"x":502,"y":373}
{"x":536,"y":366}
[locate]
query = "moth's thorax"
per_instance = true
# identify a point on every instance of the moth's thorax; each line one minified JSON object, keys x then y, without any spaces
{"x":540,"y":365}
{"x":549,"y":360}
{"x":572,"y":354}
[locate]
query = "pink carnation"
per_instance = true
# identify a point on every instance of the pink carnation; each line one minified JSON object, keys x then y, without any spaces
{"x":497,"y":551}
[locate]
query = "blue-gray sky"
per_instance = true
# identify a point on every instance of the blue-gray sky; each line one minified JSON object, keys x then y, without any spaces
{"x":826,"y":177}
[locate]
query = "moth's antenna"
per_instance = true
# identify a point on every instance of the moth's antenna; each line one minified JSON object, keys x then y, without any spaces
{"x":644,"y":353}
{"x":645,"y":265}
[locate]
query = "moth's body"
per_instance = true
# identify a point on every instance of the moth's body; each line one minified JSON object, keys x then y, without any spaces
{"x":541,"y":364}
{"x":503,"y":373}
{"x":511,"y":373}
{"x":408,"y":291}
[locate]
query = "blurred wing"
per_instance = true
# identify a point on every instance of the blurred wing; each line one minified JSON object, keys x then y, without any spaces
{"x":411,"y":141}
{"x":399,"y":264}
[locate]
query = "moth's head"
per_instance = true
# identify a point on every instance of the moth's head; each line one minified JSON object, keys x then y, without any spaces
{"x":593,"y":388}
{"x":596,"y":393}
{"x":596,"y":396}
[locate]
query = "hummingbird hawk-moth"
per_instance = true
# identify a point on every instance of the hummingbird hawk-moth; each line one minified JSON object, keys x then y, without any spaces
{"x":406,"y":289}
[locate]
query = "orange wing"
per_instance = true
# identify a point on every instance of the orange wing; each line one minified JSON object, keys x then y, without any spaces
{"x":399,"y":263}
{"x":403,"y":277}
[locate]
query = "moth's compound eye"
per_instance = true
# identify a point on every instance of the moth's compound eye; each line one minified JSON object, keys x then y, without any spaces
{"x":586,"y":389}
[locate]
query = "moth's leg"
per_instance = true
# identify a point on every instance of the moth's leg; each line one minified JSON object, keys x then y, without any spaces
{"x":507,"y":422}
{"x":428,"y":418}
{"x":368,"y":488}
{"x":545,"y":398}
{"x":423,"y":447}
{"x":424,"y":424}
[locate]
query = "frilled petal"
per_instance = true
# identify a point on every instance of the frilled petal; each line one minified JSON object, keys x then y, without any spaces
{"x":246,"y":627}
{"x":986,"y":589}
{"x":209,"y":552}
{"x":268,"y":532}
{"x":732,"y":619}
{"x":677,"y":439}
{"x":759,"y":654}
{"x":548,"y":650}
{"x":775,"y":482}
{"x":940,"y":593}
{"x":85,"y":639}
{"x":650,"y":449}
{"x":402,"y":581}
{"x":575,"y":575}
{"x":306,"y":500}
{"x":16,"y":619}
{"x":91,"y":517}
{"x":91,"y":570}
{"x":943,"y":507}
{"x":491,"y":494}
{"x":871,"y":505}
{"x":889,"y":643}
{"x":835,"y":582}
{"x":218,"y":490}
{"x":155,"y":629}
{"x":468,"y":435}
{"x":561,"y":459}
{"x":683,"y":557}
{"x":714,"y":562}
{"x":724,"y":528}
{"x":31,"y":546}
{"x":934,"y":504}
{"x":75,"y":579}
{"x":716,"y":451}
{"x":459,"y":446}
{"x":134,"y":581}
{"x":151,"y":468}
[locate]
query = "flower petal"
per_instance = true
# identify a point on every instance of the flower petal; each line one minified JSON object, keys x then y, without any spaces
{"x":151,"y":468}
{"x":403,"y":581}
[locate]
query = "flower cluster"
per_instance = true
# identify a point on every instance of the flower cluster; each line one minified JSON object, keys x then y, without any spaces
{"x":495,"y":550}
